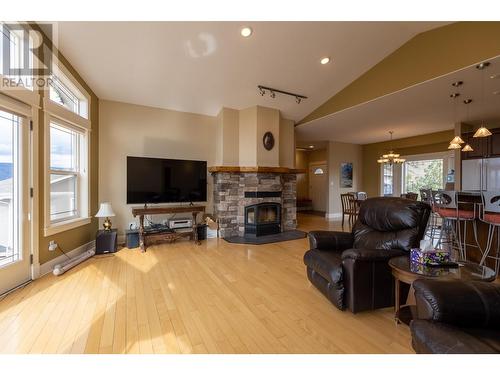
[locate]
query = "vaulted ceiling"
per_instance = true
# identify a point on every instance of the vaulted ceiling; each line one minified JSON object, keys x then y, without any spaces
{"x":203,"y":66}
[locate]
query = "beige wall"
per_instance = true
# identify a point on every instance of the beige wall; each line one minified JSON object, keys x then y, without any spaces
{"x":318,"y":155}
{"x":268,"y":119}
{"x":227,"y":139}
{"x":133,"y":130}
{"x":287,"y":143}
{"x":247,"y":136}
{"x":338,"y":153}
{"x":302,"y":162}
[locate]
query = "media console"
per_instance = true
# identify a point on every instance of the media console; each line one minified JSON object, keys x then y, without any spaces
{"x":146,"y":238}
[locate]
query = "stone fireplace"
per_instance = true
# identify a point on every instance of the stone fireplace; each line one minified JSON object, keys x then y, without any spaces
{"x":254,"y":203}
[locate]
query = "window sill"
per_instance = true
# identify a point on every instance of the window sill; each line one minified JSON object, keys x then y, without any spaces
{"x":65,"y":225}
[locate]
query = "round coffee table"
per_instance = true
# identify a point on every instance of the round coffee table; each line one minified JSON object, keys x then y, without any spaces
{"x":405,"y":271}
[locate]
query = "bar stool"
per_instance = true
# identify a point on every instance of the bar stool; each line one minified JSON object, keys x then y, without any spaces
{"x":453,"y":215}
{"x":490,"y":214}
{"x":433,"y":225}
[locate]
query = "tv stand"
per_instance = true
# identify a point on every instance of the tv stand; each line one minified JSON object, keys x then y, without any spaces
{"x":146,"y":238}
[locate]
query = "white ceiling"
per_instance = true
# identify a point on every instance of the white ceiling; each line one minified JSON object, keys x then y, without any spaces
{"x":422,"y":109}
{"x":202,"y":66}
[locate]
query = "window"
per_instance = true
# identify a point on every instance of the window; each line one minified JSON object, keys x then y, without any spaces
{"x":319,"y":171}
{"x":65,"y":94}
{"x":388,"y":179}
{"x":67,"y":172}
{"x":9,"y":188}
{"x":14,"y":41}
{"x":423,"y":174}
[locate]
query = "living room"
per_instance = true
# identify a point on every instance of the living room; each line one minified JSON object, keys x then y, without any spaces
{"x":249,"y":186}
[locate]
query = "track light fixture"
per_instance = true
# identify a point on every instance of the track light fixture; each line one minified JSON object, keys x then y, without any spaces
{"x":272,"y":93}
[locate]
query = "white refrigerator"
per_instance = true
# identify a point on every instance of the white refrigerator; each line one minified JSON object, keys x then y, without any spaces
{"x":481,"y":174}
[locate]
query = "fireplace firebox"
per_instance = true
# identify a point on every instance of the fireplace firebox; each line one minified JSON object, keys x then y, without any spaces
{"x":262,"y":219}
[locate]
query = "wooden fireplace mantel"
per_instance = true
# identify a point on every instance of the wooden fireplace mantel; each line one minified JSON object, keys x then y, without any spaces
{"x":282,"y":170}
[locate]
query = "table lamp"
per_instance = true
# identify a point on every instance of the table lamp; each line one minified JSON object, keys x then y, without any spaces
{"x":105,"y":210}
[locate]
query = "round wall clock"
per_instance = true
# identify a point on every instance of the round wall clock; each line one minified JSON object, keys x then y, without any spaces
{"x":268,"y":141}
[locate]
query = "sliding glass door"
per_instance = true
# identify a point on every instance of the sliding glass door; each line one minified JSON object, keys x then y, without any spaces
{"x":14,"y":201}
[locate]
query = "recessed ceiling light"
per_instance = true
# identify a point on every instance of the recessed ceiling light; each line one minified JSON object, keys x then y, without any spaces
{"x":496,"y":92}
{"x":246,"y":32}
{"x":495,"y":76}
{"x":310,"y":146}
{"x":325,"y":60}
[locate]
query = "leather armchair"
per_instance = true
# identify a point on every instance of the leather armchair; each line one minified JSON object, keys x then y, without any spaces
{"x":352,"y":269}
{"x":455,"y":316}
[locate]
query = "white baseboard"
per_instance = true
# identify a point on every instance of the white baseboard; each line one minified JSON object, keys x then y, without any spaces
{"x":49,"y":266}
{"x":337,"y":215}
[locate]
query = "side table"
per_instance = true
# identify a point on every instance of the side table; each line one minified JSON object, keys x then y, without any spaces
{"x":405,"y":272}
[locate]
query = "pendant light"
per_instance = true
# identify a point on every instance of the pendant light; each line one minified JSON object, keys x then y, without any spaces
{"x":467,"y":147}
{"x":457,"y":141}
{"x":391,"y":157}
{"x":482,"y":131}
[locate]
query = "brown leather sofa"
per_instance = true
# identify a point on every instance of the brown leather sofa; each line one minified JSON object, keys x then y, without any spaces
{"x":457,"y":317}
{"x":351,"y":269}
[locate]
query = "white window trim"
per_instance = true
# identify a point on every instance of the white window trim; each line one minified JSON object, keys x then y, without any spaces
{"x":60,"y":111}
{"x":51,"y":228}
{"x":27,"y":96}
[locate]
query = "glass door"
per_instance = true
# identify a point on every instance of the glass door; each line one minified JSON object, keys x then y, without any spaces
{"x":14,"y":201}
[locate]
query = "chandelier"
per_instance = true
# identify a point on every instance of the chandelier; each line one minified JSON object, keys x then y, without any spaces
{"x":390,"y":158}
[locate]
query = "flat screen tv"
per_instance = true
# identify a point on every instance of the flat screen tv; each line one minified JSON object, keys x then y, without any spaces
{"x":152,"y":180}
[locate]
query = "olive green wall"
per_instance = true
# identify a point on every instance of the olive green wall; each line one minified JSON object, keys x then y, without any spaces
{"x":422,"y":144}
{"x":426,"y":56}
{"x":71,"y":239}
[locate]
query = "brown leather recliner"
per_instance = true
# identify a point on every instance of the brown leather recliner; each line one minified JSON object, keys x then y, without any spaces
{"x":352,"y":269}
{"x":457,"y":317}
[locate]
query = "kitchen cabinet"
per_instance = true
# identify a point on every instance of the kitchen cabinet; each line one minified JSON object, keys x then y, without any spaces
{"x":486,"y":147}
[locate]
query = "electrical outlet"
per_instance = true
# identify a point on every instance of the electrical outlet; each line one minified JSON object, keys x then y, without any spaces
{"x":52,"y":245}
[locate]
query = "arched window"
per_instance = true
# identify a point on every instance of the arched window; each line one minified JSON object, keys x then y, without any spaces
{"x":319,"y":171}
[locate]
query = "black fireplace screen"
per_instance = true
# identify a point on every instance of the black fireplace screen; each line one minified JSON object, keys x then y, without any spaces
{"x":262,"y":219}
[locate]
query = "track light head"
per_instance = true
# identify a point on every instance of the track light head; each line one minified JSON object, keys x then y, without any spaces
{"x":262,"y":91}
{"x":483,"y":65}
{"x":298,"y":100}
{"x":272,"y":94}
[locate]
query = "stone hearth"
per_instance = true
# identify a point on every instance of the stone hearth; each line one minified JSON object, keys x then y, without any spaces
{"x":230,"y":199}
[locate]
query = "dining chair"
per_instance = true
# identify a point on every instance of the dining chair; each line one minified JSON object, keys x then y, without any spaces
{"x":348,"y":206}
{"x":410,"y":195}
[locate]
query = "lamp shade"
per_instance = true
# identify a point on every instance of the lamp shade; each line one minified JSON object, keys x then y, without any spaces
{"x":482,"y":132}
{"x":454,"y":146}
{"x":457,"y":140}
{"x":105,"y":210}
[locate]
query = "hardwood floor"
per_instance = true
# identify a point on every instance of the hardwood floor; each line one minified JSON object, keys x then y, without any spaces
{"x":182,"y":298}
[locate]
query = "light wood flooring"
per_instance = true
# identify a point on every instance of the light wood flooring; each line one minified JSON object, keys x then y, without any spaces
{"x":183,"y":298}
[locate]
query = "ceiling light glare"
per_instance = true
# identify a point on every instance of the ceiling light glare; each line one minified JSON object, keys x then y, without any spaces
{"x":246,"y":32}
